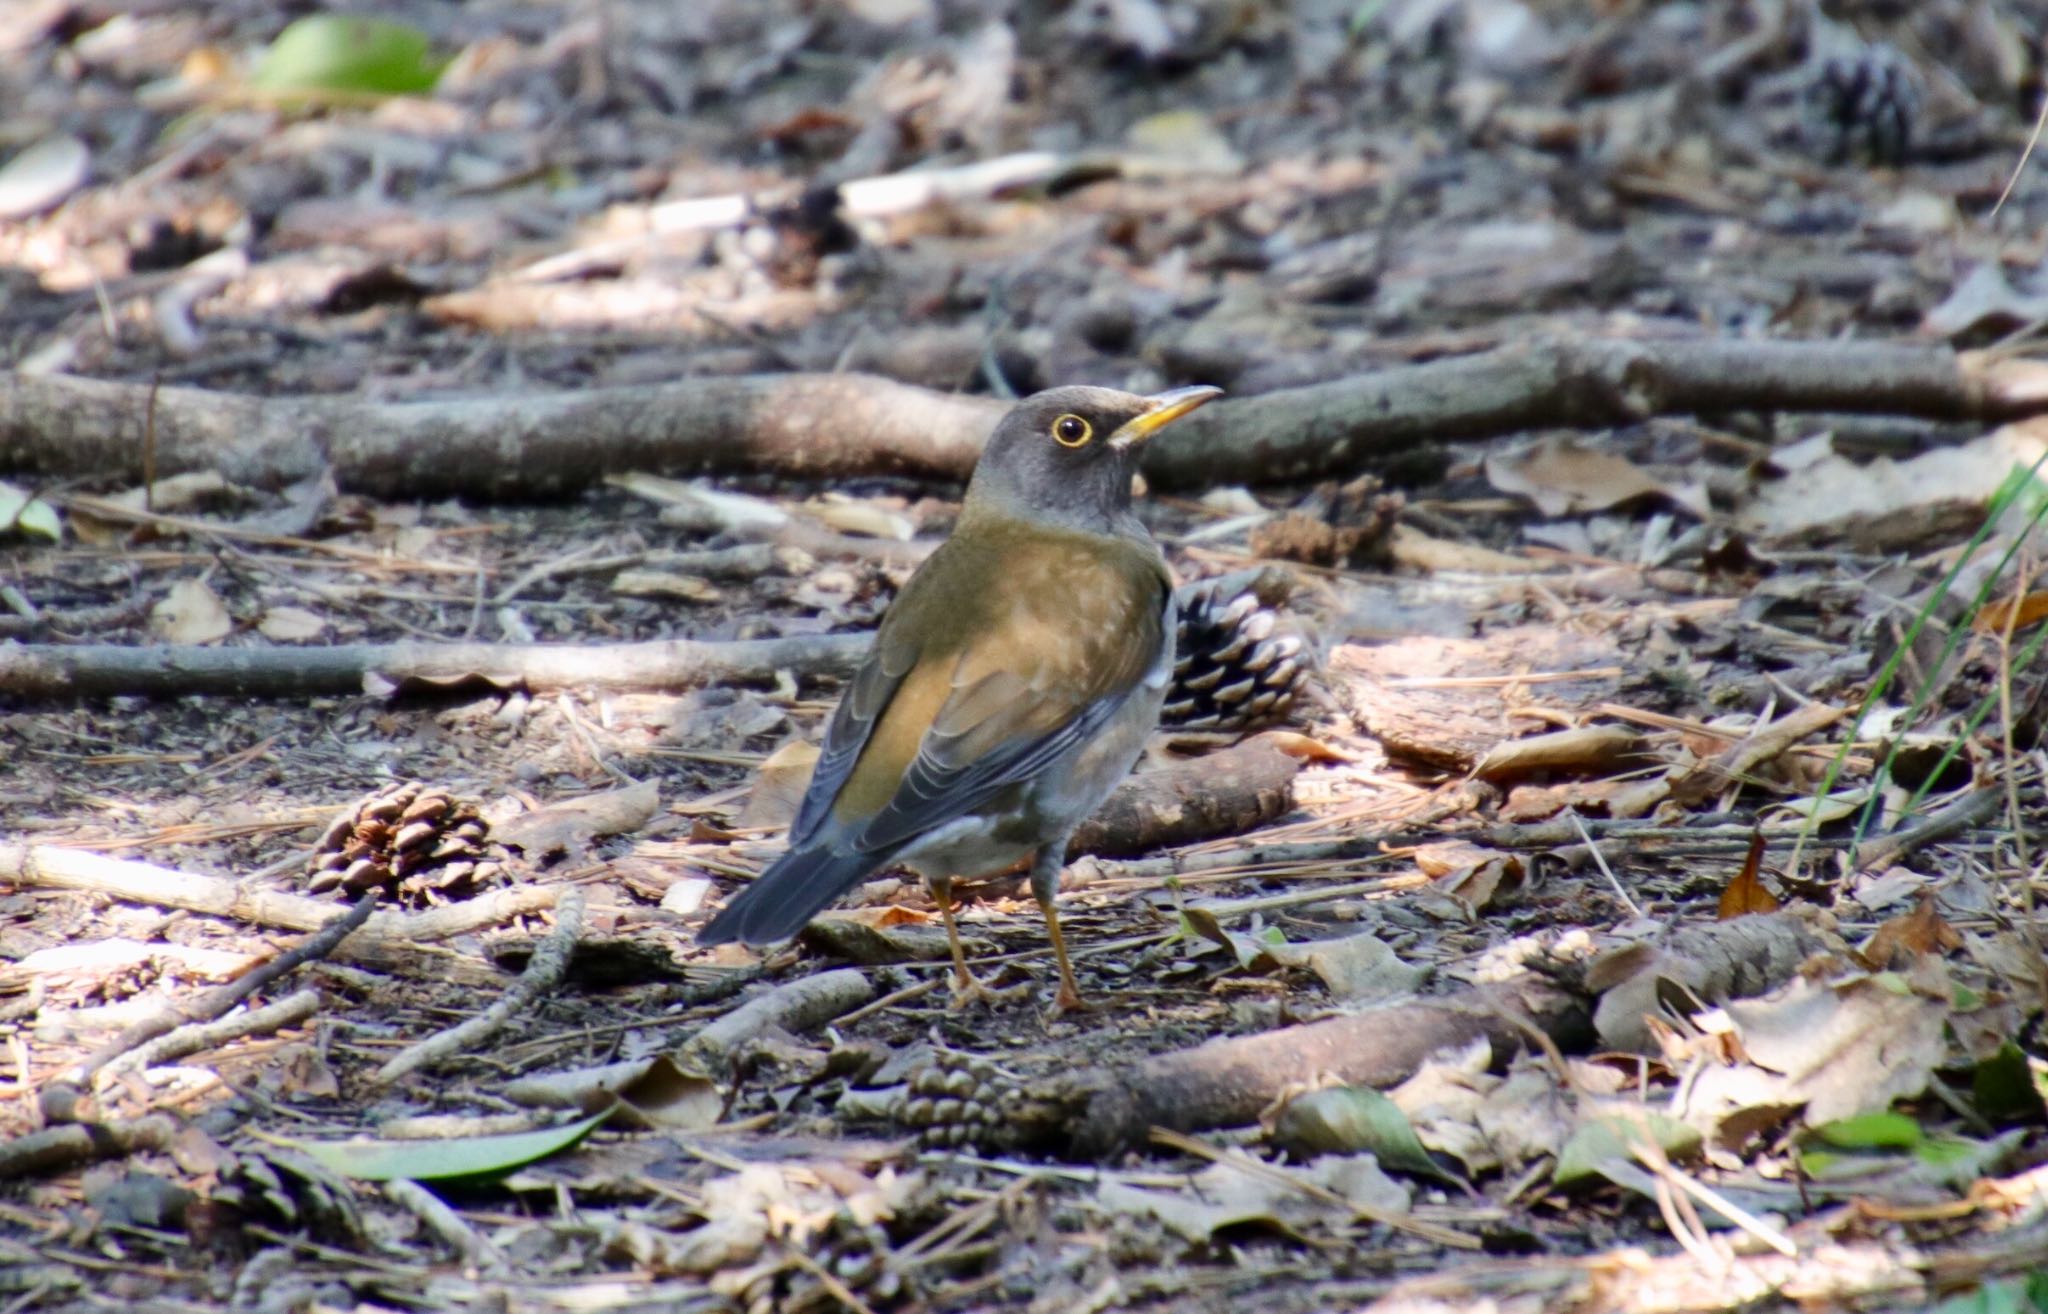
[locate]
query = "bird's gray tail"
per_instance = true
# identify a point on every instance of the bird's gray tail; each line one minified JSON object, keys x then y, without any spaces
{"x":787,"y":895}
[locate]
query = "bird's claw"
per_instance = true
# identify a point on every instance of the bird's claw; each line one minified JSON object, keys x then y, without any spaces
{"x":969,"y":990}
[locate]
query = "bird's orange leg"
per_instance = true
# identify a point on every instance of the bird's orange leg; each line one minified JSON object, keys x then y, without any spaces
{"x":1045,"y":887}
{"x":967,"y":987}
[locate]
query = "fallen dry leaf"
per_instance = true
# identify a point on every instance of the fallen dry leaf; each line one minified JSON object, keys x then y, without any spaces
{"x":665,"y":584}
{"x":1564,"y":477}
{"x":1825,"y":1051}
{"x":1587,"y":749}
{"x":1223,"y":1196}
{"x":1746,"y":895}
{"x":1886,"y":505}
{"x":291,"y":625}
{"x":1356,"y":969}
{"x":2011,"y":613}
{"x":190,"y":613}
{"x":864,"y":519}
{"x":779,"y":786}
{"x":1901,"y":939}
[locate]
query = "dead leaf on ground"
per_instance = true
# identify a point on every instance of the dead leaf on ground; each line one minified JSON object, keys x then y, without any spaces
{"x":1563,"y":477}
{"x":779,"y":786}
{"x":1356,"y":969}
{"x":1477,"y":878}
{"x":864,"y":519}
{"x":1746,"y":895}
{"x":1826,"y":1050}
{"x":666,"y":584}
{"x":2011,"y":613}
{"x":1345,"y":1120}
{"x":1885,"y":505}
{"x":793,"y":1202}
{"x":291,"y":625}
{"x":1586,"y":749}
{"x":1900,"y":940}
{"x":1223,"y":1196}
{"x":191,"y":613}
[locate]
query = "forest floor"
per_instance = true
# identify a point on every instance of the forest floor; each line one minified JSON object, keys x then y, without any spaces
{"x":1661,"y":829}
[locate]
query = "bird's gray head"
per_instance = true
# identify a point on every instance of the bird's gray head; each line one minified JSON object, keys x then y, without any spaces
{"x":1065,"y":456}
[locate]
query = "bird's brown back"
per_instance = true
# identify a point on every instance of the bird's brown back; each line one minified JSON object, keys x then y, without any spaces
{"x":1007,"y":632}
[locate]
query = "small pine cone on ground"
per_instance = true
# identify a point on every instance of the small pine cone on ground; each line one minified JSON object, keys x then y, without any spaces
{"x":420,"y":846}
{"x":1241,"y":658}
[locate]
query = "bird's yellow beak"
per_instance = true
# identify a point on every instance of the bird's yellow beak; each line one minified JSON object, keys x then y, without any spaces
{"x":1165,"y":408}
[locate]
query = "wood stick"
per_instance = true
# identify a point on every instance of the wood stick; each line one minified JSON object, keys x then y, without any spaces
{"x":42,"y":866}
{"x":827,"y":426}
{"x":65,"y":671}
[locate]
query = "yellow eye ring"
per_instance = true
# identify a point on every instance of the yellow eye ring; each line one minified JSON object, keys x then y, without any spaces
{"x":1072,"y":431}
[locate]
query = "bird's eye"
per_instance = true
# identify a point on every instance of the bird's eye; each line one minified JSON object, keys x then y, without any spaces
{"x":1072,"y":431}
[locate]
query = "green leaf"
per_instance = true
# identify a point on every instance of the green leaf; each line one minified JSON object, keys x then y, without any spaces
{"x":2006,"y":1088}
{"x":1346,"y":1119}
{"x":1872,"y":1131}
{"x":22,"y":514}
{"x":361,"y":56}
{"x":2003,"y":1296}
{"x":1601,"y":1139}
{"x":476,"y":1159}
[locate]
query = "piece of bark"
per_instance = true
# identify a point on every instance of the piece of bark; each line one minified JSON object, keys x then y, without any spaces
{"x":46,"y":671}
{"x":71,"y":1144}
{"x":1224,"y":793}
{"x":827,"y":426}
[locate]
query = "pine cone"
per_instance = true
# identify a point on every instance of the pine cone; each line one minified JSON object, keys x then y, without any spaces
{"x":1240,"y":659}
{"x":956,"y":1102}
{"x":418,"y":845}
{"x":1865,"y":103}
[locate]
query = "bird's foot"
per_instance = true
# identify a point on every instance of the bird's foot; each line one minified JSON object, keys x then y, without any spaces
{"x":1067,"y":1000}
{"x":969,"y":990}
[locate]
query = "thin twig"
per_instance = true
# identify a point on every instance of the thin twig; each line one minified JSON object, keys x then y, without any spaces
{"x":215,"y":1003}
{"x":1628,"y":902}
{"x":543,"y":973}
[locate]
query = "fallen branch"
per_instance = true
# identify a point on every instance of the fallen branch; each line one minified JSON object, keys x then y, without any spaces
{"x":41,"y":866}
{"x":826,"y":426}
{"x":1224,"y":793}
{"x":794,"y":1006}
{"x":60,"y":671}
{"x":1326,"y":430}
{"x":1099,"y":1112}
{"x":76,"y":1143}
{"x":819,"y":426}
{"x":859,"y":198}
{"x":543,"y":973}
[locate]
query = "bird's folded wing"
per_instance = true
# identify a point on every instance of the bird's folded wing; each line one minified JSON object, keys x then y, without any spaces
{"x":1019,"y":695}
{"x":873,"y":685}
